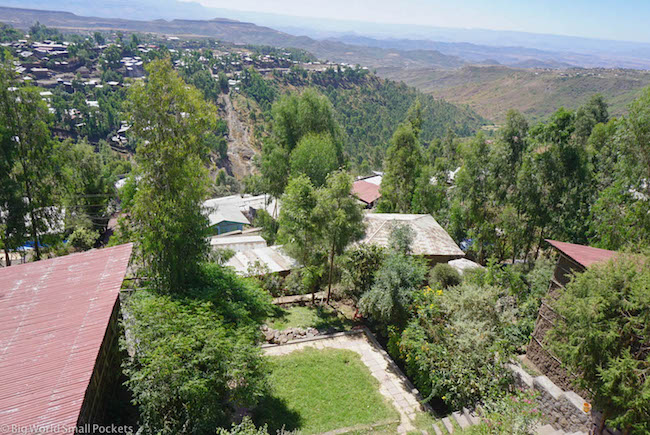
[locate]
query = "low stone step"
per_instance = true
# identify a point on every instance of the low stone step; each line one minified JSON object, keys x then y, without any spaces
{"x":448,"y":425}
{"x":547,"y":429}
{"x":461,"y":420}
{"x":436,"y":429}
{"x":471,"y":417}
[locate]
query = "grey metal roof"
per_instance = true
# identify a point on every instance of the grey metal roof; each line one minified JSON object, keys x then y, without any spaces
{"x":245,"y":202}
{"x":238,"y":242}
{"x":273,"y":257}
{"x":225,"y":213}
{"x":430,"y":238}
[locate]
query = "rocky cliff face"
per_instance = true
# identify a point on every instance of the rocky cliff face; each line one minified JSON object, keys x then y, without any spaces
{"x":242,"y":146}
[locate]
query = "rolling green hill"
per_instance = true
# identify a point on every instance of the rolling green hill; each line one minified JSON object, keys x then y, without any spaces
{"x":492,"y":90}
{"x":368,"y":108}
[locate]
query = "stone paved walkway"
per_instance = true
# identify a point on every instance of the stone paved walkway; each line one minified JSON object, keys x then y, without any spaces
{"x":393,"y":384}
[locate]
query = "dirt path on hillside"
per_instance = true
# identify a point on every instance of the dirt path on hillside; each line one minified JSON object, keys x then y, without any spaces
{"x":240,"y":143}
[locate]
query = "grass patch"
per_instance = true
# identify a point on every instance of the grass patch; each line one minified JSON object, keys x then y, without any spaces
{"x":316,"y":391}
{"x":319,"y":317}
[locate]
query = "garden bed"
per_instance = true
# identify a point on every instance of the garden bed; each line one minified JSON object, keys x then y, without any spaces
{"x":321,"y":317}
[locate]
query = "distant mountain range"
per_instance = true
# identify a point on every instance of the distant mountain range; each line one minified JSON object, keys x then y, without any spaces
{"x":236,"y":32}
{"x":491,"y":79}
{"x":516,"y":49}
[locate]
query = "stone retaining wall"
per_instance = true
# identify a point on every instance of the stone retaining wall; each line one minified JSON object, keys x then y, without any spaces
{"x":276,"y":336}
{"x":562,"y":409}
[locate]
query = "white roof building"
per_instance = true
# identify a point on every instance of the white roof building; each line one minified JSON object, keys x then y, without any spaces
{"x":246,"y":202}
{"x":238,"y":243}
{"x":272,"y":258}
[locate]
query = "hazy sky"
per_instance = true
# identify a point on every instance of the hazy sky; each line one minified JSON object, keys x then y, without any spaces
{"x":604,"y":19}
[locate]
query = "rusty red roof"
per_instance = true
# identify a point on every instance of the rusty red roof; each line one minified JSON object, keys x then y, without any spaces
{"x":365,"y":191}
{"x":583,"y":255}
{"x":53,"y":317}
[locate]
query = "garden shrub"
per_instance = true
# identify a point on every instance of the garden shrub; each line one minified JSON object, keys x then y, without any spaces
{"x":514,"y":414}
{"x":388,"y":301}
{"x":274,"y":284}
{"x":195,"y":357}
{"x":454,"y":348}
{"x":246,"y":427}
{"x":444,"y":275}
{"x":83,"y":239}
{"x":359,"y":267}
{"x":293,"y":284}
{"x":522,"y":286}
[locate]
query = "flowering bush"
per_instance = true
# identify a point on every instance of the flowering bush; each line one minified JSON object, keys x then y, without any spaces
{"x":453,"y":348}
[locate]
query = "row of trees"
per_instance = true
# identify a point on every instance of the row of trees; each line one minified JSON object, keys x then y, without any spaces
{"x":580,"y":177}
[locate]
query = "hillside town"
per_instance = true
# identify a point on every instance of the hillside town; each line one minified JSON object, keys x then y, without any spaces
{"x":202,"y":237}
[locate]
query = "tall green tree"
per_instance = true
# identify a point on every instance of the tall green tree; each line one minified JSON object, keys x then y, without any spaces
{"x":275,"y":166}
{"x":314,"y":156}
{"x":88,"y":184}
{"x":401,"y":170}
{"x":637,"y":131}
{"x":12,"y":205}
{"x":171,"y":120}
{"x":28,"y":148}
{"x":299,"y":231}
{"x":296,"y":115}
{"x":474,"y":192}
{"x":340,"y":217}
{"x":594,"y":112}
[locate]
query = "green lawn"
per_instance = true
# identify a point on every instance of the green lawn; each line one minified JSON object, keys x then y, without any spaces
{"x":316,"y":391}
{"x":319,"y":317}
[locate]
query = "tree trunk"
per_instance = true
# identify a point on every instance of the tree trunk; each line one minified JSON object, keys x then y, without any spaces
{"x":32,"y":218}
{"x":7,"y":258}
{"x":539,"y":244}
{"x":35,"y":234}
{"x":329,"y":285}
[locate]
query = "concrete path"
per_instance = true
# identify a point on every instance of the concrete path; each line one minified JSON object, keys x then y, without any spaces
{"x":393,"y":384}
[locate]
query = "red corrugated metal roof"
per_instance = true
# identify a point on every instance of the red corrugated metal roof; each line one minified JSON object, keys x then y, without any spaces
{"x":366,"y":192}
{"x":53,"y":317}
{"x":584,"y":255}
